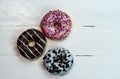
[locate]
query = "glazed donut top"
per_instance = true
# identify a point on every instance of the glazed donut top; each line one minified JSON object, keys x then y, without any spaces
{"x":56,"y":24}
{"x":58,"y":61}
{"x":28,"y":36}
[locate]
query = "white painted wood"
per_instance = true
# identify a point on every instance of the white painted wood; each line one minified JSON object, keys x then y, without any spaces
{"x":105,"y":12}
{"x":101,"y":41}
{"x":98,"y":40}
{"x":96,"y":67}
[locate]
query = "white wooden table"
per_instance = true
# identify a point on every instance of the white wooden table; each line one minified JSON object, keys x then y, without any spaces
{"x":101,"y":41}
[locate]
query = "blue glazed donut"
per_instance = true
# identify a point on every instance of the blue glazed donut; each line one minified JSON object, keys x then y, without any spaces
{"x":58,"y":61}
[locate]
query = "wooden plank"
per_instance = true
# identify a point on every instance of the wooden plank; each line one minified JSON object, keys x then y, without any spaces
{"x":94,"y":40}
{"x":98,"y":40}
{"x":81,"y":12}
{"x":96,"y":67}
{"x":15,"y":67}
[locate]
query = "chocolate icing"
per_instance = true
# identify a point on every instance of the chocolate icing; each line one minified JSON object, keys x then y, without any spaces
{"x":23,"y":43}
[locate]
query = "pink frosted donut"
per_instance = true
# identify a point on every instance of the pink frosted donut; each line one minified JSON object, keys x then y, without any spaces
{"x":56,"y":24}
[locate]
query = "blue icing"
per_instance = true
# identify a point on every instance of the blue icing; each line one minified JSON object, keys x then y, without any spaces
{"x":58,"y":61}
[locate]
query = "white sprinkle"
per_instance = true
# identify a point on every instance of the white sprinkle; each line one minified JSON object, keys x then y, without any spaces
{"x":29,"y":35}
{"x":27,"y":47}
{"x":25,"y":38}
{"x":39,"y":45}
{"x":38,"y":36}
{"x":37,"y":50}
{"x":23,"y":52}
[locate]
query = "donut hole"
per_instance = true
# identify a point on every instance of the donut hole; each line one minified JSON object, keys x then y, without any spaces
{"x":57,"y":24}
{"x":59,"y":61}
{"x":31,"y":43}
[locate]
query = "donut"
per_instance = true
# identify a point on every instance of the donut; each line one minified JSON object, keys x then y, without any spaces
{"x":31,"y":44}
{"x":58,"y":61}
{"x":56,"y":24}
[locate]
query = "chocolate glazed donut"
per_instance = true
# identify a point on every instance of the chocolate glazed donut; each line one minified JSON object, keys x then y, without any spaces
{"x":31,"y":44}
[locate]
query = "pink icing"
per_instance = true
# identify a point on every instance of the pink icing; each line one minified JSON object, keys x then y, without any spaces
{"x":56,"y":24}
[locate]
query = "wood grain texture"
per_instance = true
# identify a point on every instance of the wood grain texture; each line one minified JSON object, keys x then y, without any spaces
{"x":101,"y":42}
{"x":98,"y":40}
